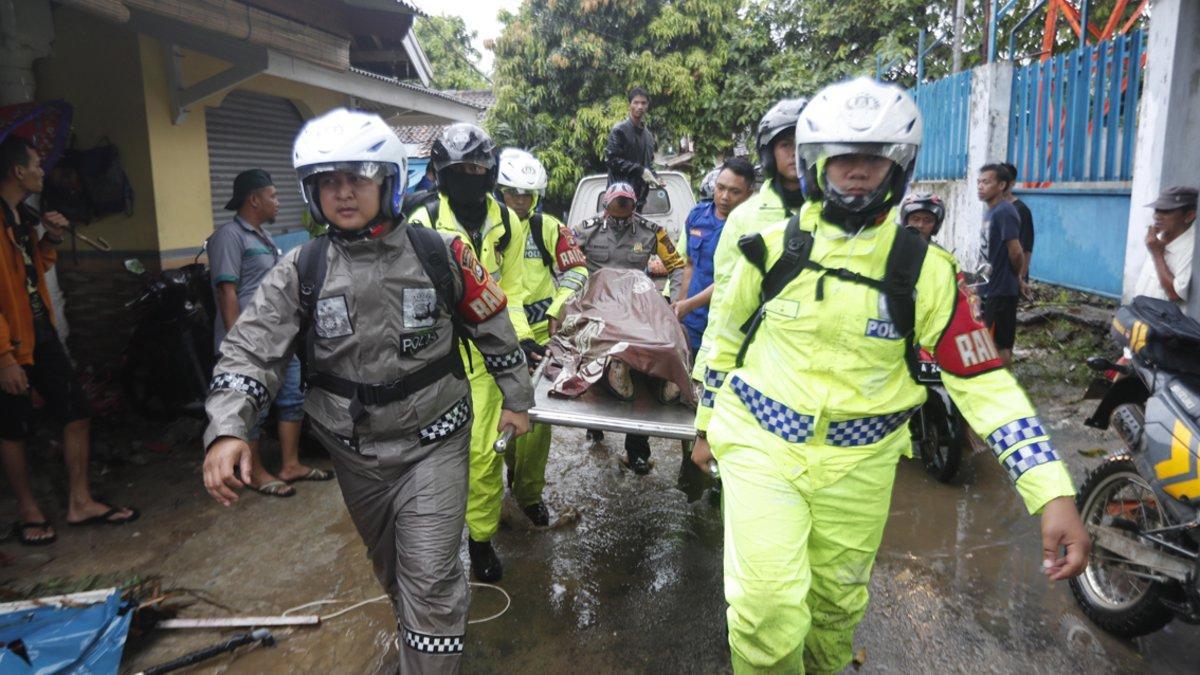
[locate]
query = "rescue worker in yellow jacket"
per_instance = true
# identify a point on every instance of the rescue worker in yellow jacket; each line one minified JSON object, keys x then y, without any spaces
{"x":464,"y":157}
{"x":782,"y":196}
{"x":807,"y":394}
{"x":554,"y":269}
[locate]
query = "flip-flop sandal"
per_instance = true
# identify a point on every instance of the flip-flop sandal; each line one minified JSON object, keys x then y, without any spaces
{"x":106,"y":518}
{"x":275,"y":488}
{"x":315,"y":475}
{"x":19,"y":532}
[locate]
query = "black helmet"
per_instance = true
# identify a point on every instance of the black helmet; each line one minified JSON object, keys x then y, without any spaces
{"x":781,"y":117}
{"x":463,"y":143}
{"x":923,"y":201}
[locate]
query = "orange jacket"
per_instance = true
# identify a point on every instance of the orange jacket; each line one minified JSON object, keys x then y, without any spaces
{"x":16,"y":316}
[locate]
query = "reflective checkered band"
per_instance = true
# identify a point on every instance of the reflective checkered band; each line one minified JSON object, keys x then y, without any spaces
{"x":865,"y":430}
{"x":714,"y":378}
{"x":1024,"y":459}
{"x":433,"y":644}
{"x":447,"y":423}
{"x":1013,"y":433}
{"x":572,"y":279}
{"x":509,"y":360}
{"x":257,"y":391}
{"x":535,"y":312}
{"x":774,"y":416}
{"x":708,"y":397}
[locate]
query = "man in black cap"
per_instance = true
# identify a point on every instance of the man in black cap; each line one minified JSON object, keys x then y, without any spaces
{"x":1171,"y":241}
{"x":240,"y":253}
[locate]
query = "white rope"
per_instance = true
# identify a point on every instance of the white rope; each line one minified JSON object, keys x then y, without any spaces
{"x":497,"y":615}
{"x":384,"y":598}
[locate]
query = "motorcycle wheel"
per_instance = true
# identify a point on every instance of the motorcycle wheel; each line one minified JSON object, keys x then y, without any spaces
{"x":941,"y":439}
{"x":1116,"y":594}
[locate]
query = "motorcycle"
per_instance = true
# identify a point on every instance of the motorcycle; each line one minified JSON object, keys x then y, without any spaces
{"x":938,"y":431}
{"x":1142,"y":507}
{"x":169,"y":359}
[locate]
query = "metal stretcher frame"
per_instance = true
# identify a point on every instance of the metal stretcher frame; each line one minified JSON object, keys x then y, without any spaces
{"x":596,"y":410}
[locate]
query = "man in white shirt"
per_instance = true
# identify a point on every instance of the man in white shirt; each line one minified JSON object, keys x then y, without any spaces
{"x":1171,"y":241}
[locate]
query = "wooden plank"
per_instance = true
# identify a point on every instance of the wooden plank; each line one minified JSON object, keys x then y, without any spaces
{"x":238,"y":20}
{"x":240,"y":622}
{"x":112,"y":10}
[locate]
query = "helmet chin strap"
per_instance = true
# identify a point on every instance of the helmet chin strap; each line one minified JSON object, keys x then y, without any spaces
{"x":871,"y":211}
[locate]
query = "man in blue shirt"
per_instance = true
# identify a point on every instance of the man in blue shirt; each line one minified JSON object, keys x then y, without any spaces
{"x":734,"y":185}
{"x":1003,"y":253}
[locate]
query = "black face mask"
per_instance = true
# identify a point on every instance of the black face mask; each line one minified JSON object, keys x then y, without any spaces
{"x":793,"y":199}
{"x":467,"y":194}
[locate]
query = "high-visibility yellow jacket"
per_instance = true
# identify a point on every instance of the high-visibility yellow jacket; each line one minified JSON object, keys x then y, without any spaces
{"x":763,"y":208}
{"x":506,"y":266}
{"x":817,"y":366}
{"x":548,"y":287}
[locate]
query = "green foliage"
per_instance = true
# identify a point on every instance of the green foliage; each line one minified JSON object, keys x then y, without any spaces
{"x":447,"y":43}
{"x":712,"y":67}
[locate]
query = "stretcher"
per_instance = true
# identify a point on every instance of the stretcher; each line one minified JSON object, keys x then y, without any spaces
{"x":644,"y":415}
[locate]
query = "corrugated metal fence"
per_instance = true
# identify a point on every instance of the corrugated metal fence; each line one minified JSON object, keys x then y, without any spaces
{"x":944,"y":105}
{"x":1073,"y":117}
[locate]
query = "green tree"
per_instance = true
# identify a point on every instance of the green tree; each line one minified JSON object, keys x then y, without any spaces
{"x":712,"y":66}
{"x":563,"y":68}
{"x":447,"y":43}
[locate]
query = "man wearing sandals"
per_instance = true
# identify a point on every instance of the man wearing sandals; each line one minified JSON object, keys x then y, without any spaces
{"x":240,"y":253}
{"x":33,"y":357}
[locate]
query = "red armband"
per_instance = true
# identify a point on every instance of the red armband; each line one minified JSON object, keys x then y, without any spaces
{"x":482,"y":298}
{"x":568,"y":253}
{"x":966,"y":347}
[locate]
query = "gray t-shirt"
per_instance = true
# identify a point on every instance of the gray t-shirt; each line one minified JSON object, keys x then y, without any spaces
{"x":241,"y":255}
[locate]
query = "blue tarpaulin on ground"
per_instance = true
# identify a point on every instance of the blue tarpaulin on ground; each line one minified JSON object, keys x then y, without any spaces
{"x":78,"y":633}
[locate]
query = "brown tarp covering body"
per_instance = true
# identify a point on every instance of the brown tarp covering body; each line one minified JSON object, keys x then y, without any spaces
{"x":620,"y":315}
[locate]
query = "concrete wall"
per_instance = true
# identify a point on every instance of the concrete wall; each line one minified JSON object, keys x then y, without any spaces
{"x":1168,"y":126}
{"x":987,"y":140}
{"x":179,"y":152}
{"x":105,"y":88}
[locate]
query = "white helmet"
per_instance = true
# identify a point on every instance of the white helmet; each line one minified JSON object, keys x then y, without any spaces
{"x":859,"y":116}
{"x":356,"y":142}
{"x":521,"y":170}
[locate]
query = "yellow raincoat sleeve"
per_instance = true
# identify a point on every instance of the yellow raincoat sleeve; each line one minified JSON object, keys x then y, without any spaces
{"x":569,"y":264}
{"x":512,"y":270}
{"x":993,"y":403}
{"x":724,"y":334}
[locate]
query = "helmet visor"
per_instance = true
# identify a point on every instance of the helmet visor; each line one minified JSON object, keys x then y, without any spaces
{"x":812,"y":154}
{"x":375,"y":171}
{"x":515,"y":191}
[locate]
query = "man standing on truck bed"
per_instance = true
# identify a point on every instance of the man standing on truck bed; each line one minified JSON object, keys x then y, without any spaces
{"x":630,"y":149}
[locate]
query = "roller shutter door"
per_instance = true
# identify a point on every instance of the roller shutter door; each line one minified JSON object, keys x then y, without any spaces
{"x":254,"y":131}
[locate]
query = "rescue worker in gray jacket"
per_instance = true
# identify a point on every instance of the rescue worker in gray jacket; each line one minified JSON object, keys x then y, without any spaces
{"x":387,"y":389}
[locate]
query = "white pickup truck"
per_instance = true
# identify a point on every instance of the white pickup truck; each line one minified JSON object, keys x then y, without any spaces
{"x":668,"y":205}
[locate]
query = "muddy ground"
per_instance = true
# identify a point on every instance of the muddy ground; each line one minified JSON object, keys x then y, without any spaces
{"x":632,"y":585}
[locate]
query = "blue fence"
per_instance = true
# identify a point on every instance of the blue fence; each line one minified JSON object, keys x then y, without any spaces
{"x":1073,"y":117}
{"x":1080,"y":240}
{"x":944,"y":105}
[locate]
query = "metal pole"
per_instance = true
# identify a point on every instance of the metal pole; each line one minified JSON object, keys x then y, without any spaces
{"x":921,"y":56}
{"x":878,"y":66}
{"x":1083,"y":21}
{"x":992,"y":21}
{"x":959,"y":24}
